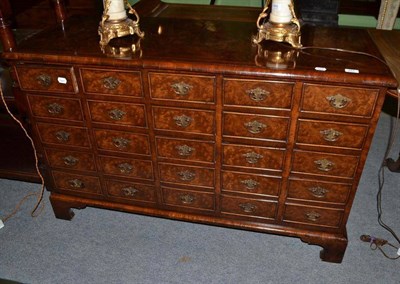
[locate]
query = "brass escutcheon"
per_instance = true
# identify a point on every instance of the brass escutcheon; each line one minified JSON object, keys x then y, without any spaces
{"x":62,"y":135}
{"x":338,"y":101}
{"x":313,"y":216}
{"x":255,"y":127}
{"x":187,"y":198}
{"x":121,"y":143}
{"x":129,"y":191}
{"x":70,"y":160}
{"x":76,"y":183}
{"x":186,"y":175}
{"x":252,"y":157}
{"x":258,"y":94}
{"x":248,"y":207}
{"x":184,"y":150}
{"x":125,"y":168}
{"x":116,"y":114}
{"x":44,"y":80}
{"x":183,"y":120}
{"x":181,"y":88}
{"x":111,"y":83}
{"x":324,"y":165}
{"x":331,"y":135}
{"x":55,"y":109}
{"x":318,"y":191}
{"x":250,"y":183}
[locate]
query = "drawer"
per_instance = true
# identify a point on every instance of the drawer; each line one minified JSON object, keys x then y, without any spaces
{"x":186,"y":198}
{"x":185,"y":149}
{"x":196,"y":176}
{"x":77,"y":183}
{"x":253,"y":157}
{"x":127,"y":167}
{"x":185,"y":120}
{"x":177,"y":87}
{"x":248,"y":207}
{"x":250,"y":183}
{"x":47,"y":79}
{"x":320,"y":191}
{"x":131,"y":191}
{"x":126,"y":114}
{"x":310,"y":215}
{"x":258,"y":93}
{"x":55,"y":108}
{"x":339,"y":100}
{"x":63,"y":135}
{"x":112,"y":82}
{"x":324,"y":164}
{"x":255,"y":126}
{"x":331,"y":134}
{"x":71,"y":160}
{"x":124,"y":142}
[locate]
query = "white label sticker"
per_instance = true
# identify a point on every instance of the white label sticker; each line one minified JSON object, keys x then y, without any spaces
{"x":62,"y":80}
{"x":323,"y":69}
{"x":355,"y":71}
{"x":1,"y":224}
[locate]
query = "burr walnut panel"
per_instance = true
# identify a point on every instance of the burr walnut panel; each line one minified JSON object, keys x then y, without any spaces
{"x":190,"y":199}
{"x":63,"y":135}
{"x":131,"y":191}
{"x":265,"y":209}
{"x":71,"y":160}
{"x":188,"y":175}
{"x":132,"y":168}
{"x":55,"y":108}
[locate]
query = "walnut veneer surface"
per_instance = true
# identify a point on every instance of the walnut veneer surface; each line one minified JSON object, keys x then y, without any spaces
{"x":200,"y":125}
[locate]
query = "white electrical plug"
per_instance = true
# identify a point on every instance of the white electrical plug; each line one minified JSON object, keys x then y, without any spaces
{"x":1,"y":224}
{"x":398,"y":251}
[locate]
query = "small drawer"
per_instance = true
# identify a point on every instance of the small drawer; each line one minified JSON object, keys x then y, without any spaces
{"x":319,"y":191}
{"x":253,"y":157}
{"x":186,"y":198}
{"x":187,"y":175}
{"x":177,"y":87}
{"x":124,"y":142}
{"x":112,"y":82}
{"x":131,"y":191}
{"x":250,"y":183}
{"x":248,"y":207}
{"x":316,"y":216}
{"x":258,"y":93}
{"x":141,"y":169}
{"x":47,"y":79}
{"x":184,"y":120}
{"x":324,"y":164}
{"x":125,"y":114}
{"x":55,"y":108}
{"x":63,"y":135}
{"x":77,"y":183}
{"x":185,"y":150}
{"x":255,"y":126}
{"x":339,"y":100}
{"x":71,"y":160}
{"x":331,"y":134}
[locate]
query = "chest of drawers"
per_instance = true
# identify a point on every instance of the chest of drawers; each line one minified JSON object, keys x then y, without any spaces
{"x":195,"y":128}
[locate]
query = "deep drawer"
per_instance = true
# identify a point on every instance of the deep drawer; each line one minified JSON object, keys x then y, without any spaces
{"x":63,"y":135}
{"x":55,"y":108}
{"x":71,"y":160}
{"x":248,"y":207}
{"x":131,"y":191}
{"x":196,"y":176}
{"x":77,"y":183}
{"x":186,"y":198}
{"x":127,"y":167}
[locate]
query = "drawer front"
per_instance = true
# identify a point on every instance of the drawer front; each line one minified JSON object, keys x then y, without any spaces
{"x":55,"y":108}
{"x":77,"y":183}
{"x":185,"y":149}
{"x":47,"y":79}
{"x":182,"y":87}
{"x":71,"y":160}
{"x":331,"y":134}
{"x":324,"y":164}
{"x":255,"y":126}
{"x":256,"y":93}
{"x":316,"y":216}
{"x":112,"y":82}
{"x":186,"y":198}
{"x":127,"y":167}
{"x":250,"y":183}
{"x":339,"y":100}
{"x":124,"y":142}
{"x":131,"y":191}
{"x":126,"y":114}
{"x":248,"y":207}
{"x":253,"y":157}
{"x":187,"y":175}
{"x":63,"y":135}
{"x":185,"y":120}
{"x":319,"y":191}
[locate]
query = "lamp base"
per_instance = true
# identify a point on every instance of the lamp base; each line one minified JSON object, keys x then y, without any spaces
{"x":289,"y":33}
{"x":120,"y":28}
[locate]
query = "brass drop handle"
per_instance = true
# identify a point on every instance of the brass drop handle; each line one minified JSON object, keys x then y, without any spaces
{"x":324,"y":165}
{"x":62,"y":136}
{"x":338,"y":101}
{"x":125,"y":168}
{"x":248,"y":207}
{"x":55,"y":109}
{"x":184,"y":150}
{"x":187,"y":198}
{"x":186,"y":175}
{"x":183,"y":120}
{"x":44,"y":80}
{"x":313,"y":216}
{"x":70,"y":161}
{"x":121,"y":143}
{"x":255,"y":127}
{"x":252,"y":157}
{"x":116,"y":114}
{"x":181,"y":88}
{"x":129,"y":191}
{"x":111,"y":83}
{"x":330,"y":135}
{"x":76,"y":183}
{"x":318,"y":191}
{"x":250,"y":183}
{"x":258,"y":94}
